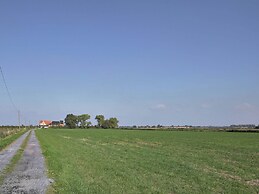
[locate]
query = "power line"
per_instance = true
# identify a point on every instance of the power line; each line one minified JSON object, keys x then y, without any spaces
{"x":9,"y":95}
{"x":11,"y":100}
{"x":8,"y":92}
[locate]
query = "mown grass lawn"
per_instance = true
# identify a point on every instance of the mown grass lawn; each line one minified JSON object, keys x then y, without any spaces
{"x":124,"y":161}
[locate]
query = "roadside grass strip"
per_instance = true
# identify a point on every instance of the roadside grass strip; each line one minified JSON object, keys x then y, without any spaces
{"x":10,"y":167}
{"x":9,"y":139}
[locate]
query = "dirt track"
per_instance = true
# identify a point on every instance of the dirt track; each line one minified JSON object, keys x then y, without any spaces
{"x":29,"y":175}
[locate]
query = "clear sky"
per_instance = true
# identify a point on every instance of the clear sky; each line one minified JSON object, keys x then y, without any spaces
{"x":143,"y":61}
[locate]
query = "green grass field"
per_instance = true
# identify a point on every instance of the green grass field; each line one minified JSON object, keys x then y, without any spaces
{"x":124,"y":161}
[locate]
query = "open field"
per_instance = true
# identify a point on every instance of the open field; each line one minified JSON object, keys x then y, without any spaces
{"x":123,"y":161}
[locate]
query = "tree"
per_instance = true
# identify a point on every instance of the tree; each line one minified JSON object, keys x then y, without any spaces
{"x":82,"y":120}
{"x":88,"y":124}
{"x":71,"y":121}
{"x":110,"y":123}
{"x":100,"y":120}
{"x":113,"y":122}
{"x":106,"y":124}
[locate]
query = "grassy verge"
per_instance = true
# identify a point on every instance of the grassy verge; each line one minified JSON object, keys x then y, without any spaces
{"x":10,"y":167}
{"x":6,"y":131}
{"x":9,"y":139}
{"x":121,"y":161}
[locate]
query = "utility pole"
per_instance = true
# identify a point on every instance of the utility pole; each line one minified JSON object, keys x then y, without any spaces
{"x":19,"y":119}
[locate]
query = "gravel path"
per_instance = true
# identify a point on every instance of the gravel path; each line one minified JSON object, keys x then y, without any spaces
{"x":7,"y":154}
{"x":29,"y":175}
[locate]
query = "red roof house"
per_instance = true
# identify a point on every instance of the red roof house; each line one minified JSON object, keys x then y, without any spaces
{"x":45,"y":123}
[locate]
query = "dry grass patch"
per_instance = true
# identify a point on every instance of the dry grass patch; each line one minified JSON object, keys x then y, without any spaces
{"x":222,"y":173}
{"x":125,"y":143}
{"x":253,"y":182}
{"x":151,"y":144}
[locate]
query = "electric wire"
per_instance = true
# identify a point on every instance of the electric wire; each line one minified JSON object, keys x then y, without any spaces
{"x":10,"y":96}
{"x":7,"y":90}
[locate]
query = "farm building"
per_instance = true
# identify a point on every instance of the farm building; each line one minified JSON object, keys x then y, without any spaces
{"x":57,"y":124}
{"x":45,"y":123}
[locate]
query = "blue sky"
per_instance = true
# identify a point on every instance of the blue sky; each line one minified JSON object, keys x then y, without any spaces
{"x":145,"y":62}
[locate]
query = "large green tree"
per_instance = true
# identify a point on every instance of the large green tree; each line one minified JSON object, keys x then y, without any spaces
{"x":100,"y":120}
{"x":106,"y":124}
{"x":110,"y":123}
{"x":71,"y":121}
{"x":82,"y":120}
{"x":113,"y":122}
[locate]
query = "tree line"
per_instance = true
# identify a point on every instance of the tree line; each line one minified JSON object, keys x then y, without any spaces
{"x":82,"y":121}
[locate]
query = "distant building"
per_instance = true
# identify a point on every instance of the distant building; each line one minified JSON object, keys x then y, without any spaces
{"x":57,"y":124}
{"x":247,"y":126}
{"x":45,"y":123}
